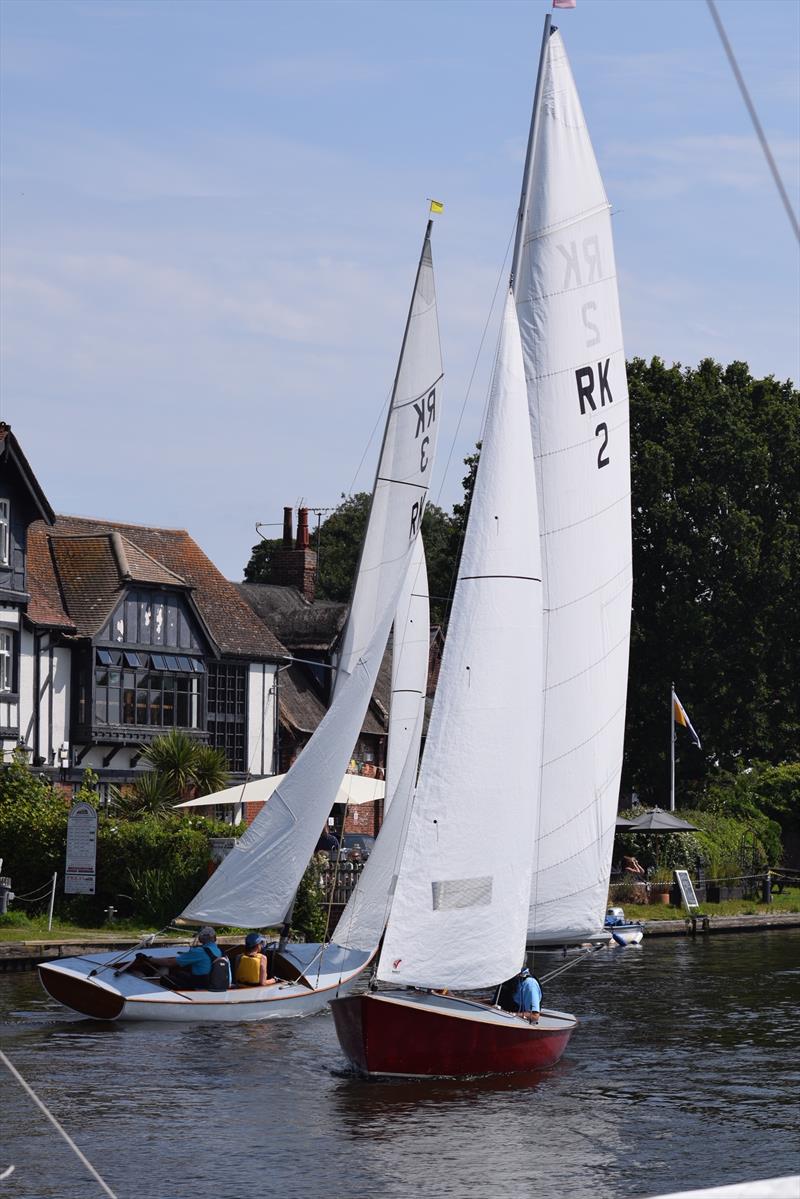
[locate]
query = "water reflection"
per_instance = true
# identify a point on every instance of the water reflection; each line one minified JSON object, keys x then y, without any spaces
{"x":682,"y":1072}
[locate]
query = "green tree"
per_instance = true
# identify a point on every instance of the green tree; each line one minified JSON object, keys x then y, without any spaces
{"x":257,"y":568}
{"x":716,"y":549}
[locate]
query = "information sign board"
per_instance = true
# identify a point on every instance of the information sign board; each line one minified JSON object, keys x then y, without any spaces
{"x":686,"y":888}
{"x":79,"y":875}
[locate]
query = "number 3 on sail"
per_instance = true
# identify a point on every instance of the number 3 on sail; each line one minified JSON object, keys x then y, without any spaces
{"x":510,"y":836}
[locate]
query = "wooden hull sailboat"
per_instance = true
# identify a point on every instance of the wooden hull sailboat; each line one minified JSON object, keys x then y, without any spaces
{"x":511,"y":831}
{"x":425,"y":1035}
{"x":254,"y":887}
{"x":99,"y":986}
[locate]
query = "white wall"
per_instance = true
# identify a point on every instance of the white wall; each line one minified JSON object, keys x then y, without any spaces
{"x":54,"y":691}
{"x":261,"y":717}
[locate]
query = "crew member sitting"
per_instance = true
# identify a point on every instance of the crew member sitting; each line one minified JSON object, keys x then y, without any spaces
{"x":527,"y":996}
{"x":251,"y":966}
{"x":192,"y":967}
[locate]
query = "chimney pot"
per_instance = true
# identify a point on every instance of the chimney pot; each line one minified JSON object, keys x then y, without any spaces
{"x":287,"y":528}
{"x":302,"y":528}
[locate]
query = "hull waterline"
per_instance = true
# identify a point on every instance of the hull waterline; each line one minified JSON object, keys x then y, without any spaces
{"x":422,"y":1034}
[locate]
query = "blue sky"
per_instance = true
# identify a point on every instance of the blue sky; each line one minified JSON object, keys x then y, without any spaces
{"x":211,"y":215}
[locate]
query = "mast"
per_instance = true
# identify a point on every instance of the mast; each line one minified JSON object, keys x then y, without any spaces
{"x":526,"y":174}
{"x":672,"y":747}
{"x":425,"y":246}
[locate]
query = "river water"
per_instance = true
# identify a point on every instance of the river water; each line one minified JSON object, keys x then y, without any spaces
{"x":684,"y":1072}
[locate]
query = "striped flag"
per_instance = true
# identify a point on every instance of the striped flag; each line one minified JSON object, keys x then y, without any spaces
{"x":679,"y":713}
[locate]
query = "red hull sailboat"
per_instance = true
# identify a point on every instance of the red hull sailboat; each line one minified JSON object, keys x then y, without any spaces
{"x":511,"y":828}
{"x":423,"y":1034}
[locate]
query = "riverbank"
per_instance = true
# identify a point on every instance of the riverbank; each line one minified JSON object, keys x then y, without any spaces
{"x":26,"y":954}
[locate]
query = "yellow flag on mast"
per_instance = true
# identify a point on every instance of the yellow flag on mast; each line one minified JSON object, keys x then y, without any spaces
{"x":436,"y":205}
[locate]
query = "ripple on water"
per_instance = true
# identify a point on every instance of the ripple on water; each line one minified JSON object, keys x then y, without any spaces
{"x":681,"y":1073}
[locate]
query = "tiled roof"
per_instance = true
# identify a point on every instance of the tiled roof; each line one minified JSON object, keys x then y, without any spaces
{"x":87,"y":568}
{"x":299,"y":701}
{"x":298,"y":623}
{"x":10,"y":451}
{"x":305,"y":627}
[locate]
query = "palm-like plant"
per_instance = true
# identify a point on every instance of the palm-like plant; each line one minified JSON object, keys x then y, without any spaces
{"x":150,"y":794}
{"x":173,"y":758}
{"x":210,"y":770}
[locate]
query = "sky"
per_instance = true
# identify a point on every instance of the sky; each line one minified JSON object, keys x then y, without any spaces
{"x":211,"y":215}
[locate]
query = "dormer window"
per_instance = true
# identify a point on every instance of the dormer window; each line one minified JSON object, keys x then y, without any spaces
{"x":5,"y":532}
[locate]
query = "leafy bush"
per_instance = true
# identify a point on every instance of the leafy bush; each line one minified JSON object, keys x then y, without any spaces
{"x":33,"y":827}
{"x":150,"y":866}
{"x":724,"y":846}
{"x":309,"y":915}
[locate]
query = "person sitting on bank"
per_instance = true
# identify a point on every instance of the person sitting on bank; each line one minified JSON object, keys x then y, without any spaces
{"x":191,"y":968}
{"x":528,"y":996}
{"x":251,"y":966}
{"x":631,"y":866}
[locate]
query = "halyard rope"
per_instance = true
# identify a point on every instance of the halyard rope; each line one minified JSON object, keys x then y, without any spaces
{"x":61,"y":1131}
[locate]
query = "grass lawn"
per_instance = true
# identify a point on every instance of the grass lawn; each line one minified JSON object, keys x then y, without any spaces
{"x":16,"y":926}
{"x":789,"y":901}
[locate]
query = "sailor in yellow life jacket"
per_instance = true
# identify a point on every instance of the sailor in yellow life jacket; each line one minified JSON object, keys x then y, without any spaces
{"x":251,"y":966}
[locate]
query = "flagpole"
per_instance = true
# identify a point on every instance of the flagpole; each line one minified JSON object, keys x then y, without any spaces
{"x":672,"y":747}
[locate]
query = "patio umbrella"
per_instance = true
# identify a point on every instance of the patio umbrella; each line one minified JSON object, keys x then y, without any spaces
{"x":659,"y":821}
{"x":623,"y":823}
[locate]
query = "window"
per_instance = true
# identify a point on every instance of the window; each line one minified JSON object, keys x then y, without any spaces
{"x":6,"y":661}
{"x":149,"y":618}
{"x":5,"y":536}
{"x":153,"y":697}
{"x":227,"y":711}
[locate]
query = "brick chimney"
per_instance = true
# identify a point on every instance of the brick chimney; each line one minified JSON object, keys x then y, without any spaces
{"x":294,"y":565}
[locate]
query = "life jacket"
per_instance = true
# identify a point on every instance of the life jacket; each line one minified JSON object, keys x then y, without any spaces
{"x":219,"y":978}
{"x":248,"y":969}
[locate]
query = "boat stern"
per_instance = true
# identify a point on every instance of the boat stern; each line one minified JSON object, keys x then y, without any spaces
{"x":90,"y":997}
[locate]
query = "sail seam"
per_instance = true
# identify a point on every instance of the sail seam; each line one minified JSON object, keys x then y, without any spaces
{"x":521,"y":578}
{"x":558,"y":226}
{"x":592,"y":665}
{"x":588,"y":594}
{"x":590,"y":845}
{"x":577,"y":445}
{"x":536,"y":297}
{"x":422,"y":395}
{"x":612,"y":778}
{"x":586,"y":519}
{"x":569,"y":370}
{"x":400,"y":483}
{"x":588,"y":740}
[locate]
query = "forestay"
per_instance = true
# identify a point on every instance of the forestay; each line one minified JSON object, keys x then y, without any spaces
{"x":404,"y":469}
{"x":364,"y":917}
{"x":255,"y":884}
{"x":459,"y":913}
{"x":575,"y":369}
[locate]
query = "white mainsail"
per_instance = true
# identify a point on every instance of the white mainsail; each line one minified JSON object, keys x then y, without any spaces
{"x":404,"y":470}
{"x":363,"y":920}
{"x":255,"y":884}
{"x":459,"y":913}
{"x":568,"y":309}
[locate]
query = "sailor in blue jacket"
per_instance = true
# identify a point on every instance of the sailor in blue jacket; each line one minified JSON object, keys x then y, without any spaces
{"x":528,"y":996}
{"x":192,"y":967}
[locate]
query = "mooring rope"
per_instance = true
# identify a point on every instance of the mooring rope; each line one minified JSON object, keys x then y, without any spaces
{"x":61,"y":1131}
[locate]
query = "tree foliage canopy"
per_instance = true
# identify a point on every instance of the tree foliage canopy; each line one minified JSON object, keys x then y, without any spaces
{"x":715,"y":466}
